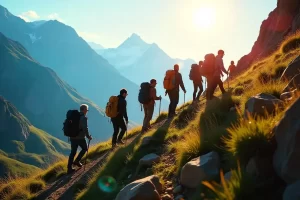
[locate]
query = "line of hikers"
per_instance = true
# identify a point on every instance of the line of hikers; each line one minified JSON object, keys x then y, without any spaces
{"x":76,"y":127}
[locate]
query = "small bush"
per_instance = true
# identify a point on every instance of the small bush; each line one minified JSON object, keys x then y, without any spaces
{"x":52,"y":173}
{"x":264,"y":77}
{"x":35,"y":186}
{"x":239,"y":90}
{"x":19,"y":194}
{"x":278,"y":71}
{"x":185,"y":116}
{"x":291,"y":44}
{"x":161,"y":117}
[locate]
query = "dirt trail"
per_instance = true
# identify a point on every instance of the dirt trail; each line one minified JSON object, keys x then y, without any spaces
{"x":63,"y":188}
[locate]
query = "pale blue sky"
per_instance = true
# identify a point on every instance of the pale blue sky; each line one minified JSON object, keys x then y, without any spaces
{"x":169,"y":23}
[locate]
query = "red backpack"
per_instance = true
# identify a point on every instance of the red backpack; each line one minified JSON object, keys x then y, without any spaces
{"x":208,"y":66}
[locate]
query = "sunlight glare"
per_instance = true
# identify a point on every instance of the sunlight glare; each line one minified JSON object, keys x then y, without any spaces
{"x":204,"y":17}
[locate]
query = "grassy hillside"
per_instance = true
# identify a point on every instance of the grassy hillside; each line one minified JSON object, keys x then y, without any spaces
{"x":210,"y":126}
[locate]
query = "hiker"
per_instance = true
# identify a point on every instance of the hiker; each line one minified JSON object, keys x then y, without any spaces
{"x":118,"y":121}
{"x":172,"y":82}
{"x":207,"y":70}
{"x":219,"y":69}
{"x":149,"y":106}
{"x":196,"y":77}
{"x":231,"y":68}
{"x":79,"y":140}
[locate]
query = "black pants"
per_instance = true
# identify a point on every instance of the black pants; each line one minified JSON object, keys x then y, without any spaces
{"x":210,"y":86}
{"x":118,"y":124}
{"x":174,"y":99}
{"x":74,"y":146}
{"x":197,"y":84}
{"x":218,"y":82}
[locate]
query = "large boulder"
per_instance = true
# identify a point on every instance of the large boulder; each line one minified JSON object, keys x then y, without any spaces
{"x":293,"y":84}
{"x":286,"y":160}
{"x":200,"y":169}
{"x":148,"y":188}
{"x":292,"y":192}
{"x":292,"y":69}
{"x":260,"y":104}
{"x":149,"y":159}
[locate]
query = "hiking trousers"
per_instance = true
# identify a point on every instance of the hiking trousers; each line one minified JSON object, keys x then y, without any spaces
{"x":74,"y":146}
{"x":174,"y":99}
{"x":218,"y":82}
{"x":118,"y":123}
{"x":209,"y":89}
{"x":148,"y":110}
{"x":197,"y":84}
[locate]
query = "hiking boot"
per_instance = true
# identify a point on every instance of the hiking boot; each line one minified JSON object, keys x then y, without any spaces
{"x":77,"y":163}
{"x":71,"y":170}
{"x":121,"y":142}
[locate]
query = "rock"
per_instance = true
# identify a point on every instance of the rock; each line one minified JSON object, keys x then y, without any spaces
{"x":149,"y":159}
{"x":147,"y":188}
{"x":146,"y":141}
{"x":179,"y":197}
{"x":294,"y":84}
{"x":286,"y":96}
{"x":292,"y":69}
{"x":260,"y":104}
{"x":228,"y":175}
{"x":177,"y":189}
{"x":166,"y":197}
{"x":200,"y":169}
{"x":286,"y":160}
{"x":292,"y":192}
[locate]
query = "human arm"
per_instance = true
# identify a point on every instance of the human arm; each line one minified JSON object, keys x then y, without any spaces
{"x":84,"y":127}
{"x":181,"y":83}
{"x":153,"y":94}
{"x":125,"y":112}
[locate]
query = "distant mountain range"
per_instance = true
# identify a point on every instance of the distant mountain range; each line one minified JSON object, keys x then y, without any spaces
{"x":139,"y":61}
{"x":59,"y":47}
{"x":95,"y":46}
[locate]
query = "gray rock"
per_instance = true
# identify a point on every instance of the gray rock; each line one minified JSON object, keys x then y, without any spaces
{"x":286,"y":160}
{"x":146,"y":141}
{"x":292,"y":69}
{"x":149,"y":159}
{"x":147,"y":188}
{"x":200,"y":169}
{"x":260,"y":104}
{"x":292,"y":192}
{"x":177,"y":189}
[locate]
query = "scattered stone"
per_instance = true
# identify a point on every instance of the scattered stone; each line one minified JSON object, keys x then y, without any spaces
{"x":286,"y":160}
{"x":166,"y":197}
{"x":292,"y":69}
{"x":177,"y":189}
{"x":294,"y":84}
{"x":286,"y":96}
{"x":232,"y":109}
{"x":149,"y":159}
{"x":228,"y":175}
{"x":292,"y":192}
{"x":200,"y":169}
{"x":147,"y":188}
{"x":260,"y":104}
{"x":179,"y":197}
{"x":146,"y":141}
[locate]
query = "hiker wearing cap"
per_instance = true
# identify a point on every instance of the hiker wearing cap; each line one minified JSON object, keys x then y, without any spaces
{"x":149,"y":106}
{"x":219,"y":69}
{"x":196,"y":77}
{"x":118,"y":120}
{"x":172,"y":81}
{"x":79,"y":140}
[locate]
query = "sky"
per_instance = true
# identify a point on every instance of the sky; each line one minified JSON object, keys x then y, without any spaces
{"x":182,"y":28}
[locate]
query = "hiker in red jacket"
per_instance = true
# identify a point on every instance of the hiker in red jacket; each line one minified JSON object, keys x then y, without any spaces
{"x":218,"y":72}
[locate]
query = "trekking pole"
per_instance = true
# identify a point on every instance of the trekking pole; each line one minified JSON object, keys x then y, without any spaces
{"x":183,"y":101}
{"x":228,"y":81}
{"x":87,"y":152}
{"x":159,"y":107}
{"x":126,"y":134}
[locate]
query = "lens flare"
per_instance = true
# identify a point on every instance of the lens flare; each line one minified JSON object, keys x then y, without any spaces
{"x":107,"y":184}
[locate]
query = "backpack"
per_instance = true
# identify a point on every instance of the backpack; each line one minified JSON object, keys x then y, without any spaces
{"x":208,"y":66}
{"x":144,"y":94}
{"x":169,"y":80}
{"x":111,"y":109}
{"x":71,"y":123}
{"x":194,"y":72}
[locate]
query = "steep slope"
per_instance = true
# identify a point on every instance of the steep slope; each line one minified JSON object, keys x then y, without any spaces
{"x":95,"y":46}
{"x":282,"y":21}
{"x":20,"y":142}
{"x":40,"y":94}
{"x":58,"y":46}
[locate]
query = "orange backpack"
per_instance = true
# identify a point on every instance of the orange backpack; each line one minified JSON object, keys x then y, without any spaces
{"x":111,"y":109}
{"x":169,"y":80}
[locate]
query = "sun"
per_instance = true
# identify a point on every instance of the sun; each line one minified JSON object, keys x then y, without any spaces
{"x":204,"y":17}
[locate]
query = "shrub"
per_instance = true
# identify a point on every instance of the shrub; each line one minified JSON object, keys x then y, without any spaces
{"x":264,"y":77}
{"x":19,"y":194}
{"x":52,"y":173}
{"x":291,"y":44}
{"x":185,"y":116}
{"x":278,"y":71}
{"x":161,"y":117}
{"x":239,"y":90}
{"x":35,"y":186}
{"x":250,"y":138}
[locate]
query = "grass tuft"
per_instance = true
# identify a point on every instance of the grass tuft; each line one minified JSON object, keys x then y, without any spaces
{"x":291,"y":43}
